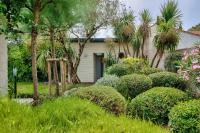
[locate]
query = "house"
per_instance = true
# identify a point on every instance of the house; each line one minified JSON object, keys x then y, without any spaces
{"x":92,"y":67}
{"x":3,"y":66}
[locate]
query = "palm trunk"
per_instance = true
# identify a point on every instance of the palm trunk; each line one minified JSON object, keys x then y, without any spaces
{"x":128,"y":51}
{"x":34,"y":35}
{"x":153,"y":60}
{"x":158,"y":62}
{"x":55,"y":67}
{"x":142,"y":47}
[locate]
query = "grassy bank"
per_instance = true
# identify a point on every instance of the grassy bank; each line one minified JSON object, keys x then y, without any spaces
{"x":67,"y":115}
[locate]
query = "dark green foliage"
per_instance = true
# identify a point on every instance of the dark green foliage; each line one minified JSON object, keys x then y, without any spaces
{"x":149,"y":70}
{"x":185,"y":117}
{"x":155,"y":104}
{"x":195,"y":28}
{"x":132,"y":85}
{"x":172,"y":61}
{"x":168,"y":79}
{"x":106,"y":97}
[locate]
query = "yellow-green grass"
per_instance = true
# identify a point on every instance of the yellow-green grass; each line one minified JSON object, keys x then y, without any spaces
{"x":68,"y":115}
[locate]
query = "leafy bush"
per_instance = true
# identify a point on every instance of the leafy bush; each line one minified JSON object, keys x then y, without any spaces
{"x":149,"y":70}
{"x":172,"y":61}
{"x":132,"y":85}
{"x":108,"y":80}
{"x":119,"y":70}
{"x":185,"y":117}
{"x":127,"y":66}
{"x":168,"y":79}
{"x":106,"y":97}
{"x":156,"y":103}
{"x":67,"y":115}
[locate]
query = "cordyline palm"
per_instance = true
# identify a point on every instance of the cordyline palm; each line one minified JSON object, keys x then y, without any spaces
{"x":144,"y":29}
{"x":167,"y":37}
{"x":136,"y":43}
{"x":124,"y":30}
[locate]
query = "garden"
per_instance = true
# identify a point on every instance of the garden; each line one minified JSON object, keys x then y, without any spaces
{"x":134,"y":95}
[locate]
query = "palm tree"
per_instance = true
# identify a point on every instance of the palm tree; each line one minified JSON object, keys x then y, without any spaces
{"x":146,"y":19}
{"x":136,"y":43}
{"x":167,"y":37}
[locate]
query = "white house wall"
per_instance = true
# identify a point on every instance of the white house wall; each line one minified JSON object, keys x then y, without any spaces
{"x":3,"y":66}
{"x":86,"y":69}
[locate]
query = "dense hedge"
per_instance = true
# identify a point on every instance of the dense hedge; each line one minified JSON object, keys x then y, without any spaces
{"x":156,"y":103}
{"x":132,"y":85}
{"x":106,"y":97}
{"x":168,"y":79}
{"x":119,"y":70}
{"x":149,"y":70}
{"x":185,"y":117}
{"x":108,"y":80}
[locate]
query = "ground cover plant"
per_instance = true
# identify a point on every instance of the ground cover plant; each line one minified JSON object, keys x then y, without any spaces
{"x":67,"y":115}
{"x":156,"y":103}
{"x":108,"y":80}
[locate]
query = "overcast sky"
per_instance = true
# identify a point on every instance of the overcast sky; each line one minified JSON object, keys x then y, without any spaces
{"x":189,"y":8}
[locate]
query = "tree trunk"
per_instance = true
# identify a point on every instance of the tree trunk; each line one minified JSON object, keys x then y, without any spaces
{"x":34,"y":35}
{"x":158,"y":62}
{"x":55,"y":67}
{"x":142,"y":47}
{"x":128,"y":51}
{"x":153,"y":60}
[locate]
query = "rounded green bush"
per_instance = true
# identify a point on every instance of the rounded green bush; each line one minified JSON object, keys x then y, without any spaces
{"x":132,"y":85}
{"x":104,"y":96}
{"x":156,"y":103}
{"x":168,"y":79}
{"x":108,"y":80}
{"x":149,"y":70}
{"x":185,"y":117}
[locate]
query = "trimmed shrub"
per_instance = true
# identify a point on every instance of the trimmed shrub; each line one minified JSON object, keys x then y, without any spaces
{"x":168,"y":79}
{"x":172,"y":61}
{"x":132,"y":85}
{"x":119,"y":70}
{"x":149,"y":70}
{"x":106,"y":97}
{"x":156,"y":103}
{"x":108,"y":80}
{"x":185,"y":117}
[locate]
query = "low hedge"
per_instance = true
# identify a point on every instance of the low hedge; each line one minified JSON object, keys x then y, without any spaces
{"x":168,"y":79}
{"x":156,"y":103}
{"x":104,"y":96}
{"x":185,"y":117}
{"x":149,"y":70}
{"x":108,"y":80}
{"x":132,"y":85}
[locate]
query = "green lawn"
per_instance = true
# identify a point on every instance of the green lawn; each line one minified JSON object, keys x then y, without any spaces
{"x":25,"y":89}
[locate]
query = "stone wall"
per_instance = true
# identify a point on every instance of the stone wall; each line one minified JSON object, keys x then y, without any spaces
{"x":3,"y":66}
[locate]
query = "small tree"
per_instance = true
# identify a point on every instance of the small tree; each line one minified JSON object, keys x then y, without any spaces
{"x":146,"y":19}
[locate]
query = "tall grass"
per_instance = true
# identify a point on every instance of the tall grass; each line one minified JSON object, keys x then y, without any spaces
{"x":67,"y":115}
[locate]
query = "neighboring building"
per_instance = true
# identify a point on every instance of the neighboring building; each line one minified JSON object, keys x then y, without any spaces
{"x":3,"y":66}
{"x":91,"y":66}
